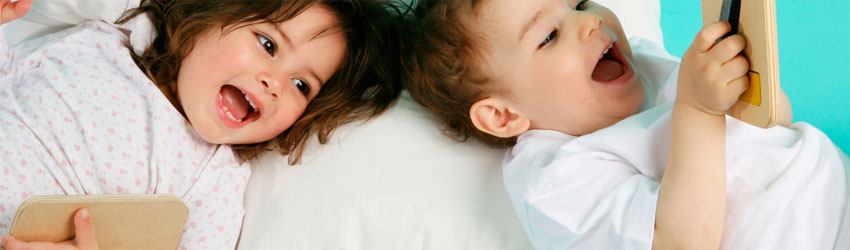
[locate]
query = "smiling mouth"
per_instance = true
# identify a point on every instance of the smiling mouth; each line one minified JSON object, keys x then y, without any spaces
{"x":237,"y":106}
{"x":611,"y":65}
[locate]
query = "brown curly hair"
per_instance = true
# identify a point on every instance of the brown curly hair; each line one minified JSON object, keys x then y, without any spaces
{"x":365,"y":85}
{"x":441,"y":68}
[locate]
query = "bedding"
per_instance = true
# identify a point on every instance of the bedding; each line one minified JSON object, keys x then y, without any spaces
{"x":48,"y":16}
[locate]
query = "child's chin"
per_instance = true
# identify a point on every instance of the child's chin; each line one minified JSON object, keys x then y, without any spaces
{"x":213,"y":139}
{"x":211,"y":134}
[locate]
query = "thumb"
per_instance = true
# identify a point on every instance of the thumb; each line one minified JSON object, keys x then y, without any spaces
{"x":85,"y":238}
{"x":10,"y":11}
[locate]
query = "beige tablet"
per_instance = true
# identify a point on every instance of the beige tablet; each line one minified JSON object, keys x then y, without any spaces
{"x":120,"y":221}
{"x":759,"y":105}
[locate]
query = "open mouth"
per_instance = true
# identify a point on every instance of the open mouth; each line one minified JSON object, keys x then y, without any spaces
{"x":237,"y":108}
{"x":611,"y":66}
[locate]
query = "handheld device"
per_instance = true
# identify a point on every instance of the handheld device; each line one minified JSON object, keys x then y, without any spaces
{"x":756,"y":21}
{"x":151,"y":221}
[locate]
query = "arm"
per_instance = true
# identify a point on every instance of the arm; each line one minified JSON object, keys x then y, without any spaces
{"x":692,"y":197}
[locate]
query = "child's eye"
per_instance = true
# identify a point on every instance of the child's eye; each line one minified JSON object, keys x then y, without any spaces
{"x":267,"y":44}
{"x":549,"y":39}
{"x":302,"y":86}
{"x":582,"y":5}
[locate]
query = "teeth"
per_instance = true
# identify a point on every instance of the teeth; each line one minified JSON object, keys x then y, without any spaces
{"x":227,"y":112}
{"x":229,"y":115}
{"x":254,"y":106}
{"x":606,"y":50}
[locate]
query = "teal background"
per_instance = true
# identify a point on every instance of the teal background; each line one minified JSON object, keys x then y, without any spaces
{"x":814,"y":56}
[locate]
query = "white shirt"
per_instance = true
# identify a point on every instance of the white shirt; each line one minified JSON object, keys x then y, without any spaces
{"x":786,"y":187}
{"x":77,"y":116}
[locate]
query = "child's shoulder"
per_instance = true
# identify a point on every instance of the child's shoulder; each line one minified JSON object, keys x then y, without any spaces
{"x":98,"y":28}
{"x":94,"y":32}
{"x":624,"y":141}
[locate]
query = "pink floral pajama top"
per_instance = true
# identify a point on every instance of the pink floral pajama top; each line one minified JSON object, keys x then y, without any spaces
{"x":77,"y":117}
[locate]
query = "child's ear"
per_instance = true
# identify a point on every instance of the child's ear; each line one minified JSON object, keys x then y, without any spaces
{"x":496,"y":117}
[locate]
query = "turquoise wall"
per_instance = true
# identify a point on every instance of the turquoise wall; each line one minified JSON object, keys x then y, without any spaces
{"x":814,"y":56}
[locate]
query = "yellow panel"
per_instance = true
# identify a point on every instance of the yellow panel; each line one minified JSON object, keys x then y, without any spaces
{"x":753,"y":94}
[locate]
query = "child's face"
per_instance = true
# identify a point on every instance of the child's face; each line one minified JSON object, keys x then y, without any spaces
{"x":278,"y":67}
{"x":546,"y":54}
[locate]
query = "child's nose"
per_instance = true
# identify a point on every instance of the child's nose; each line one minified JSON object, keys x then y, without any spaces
{"x":272,"y":86}
{"x":589,"y":23}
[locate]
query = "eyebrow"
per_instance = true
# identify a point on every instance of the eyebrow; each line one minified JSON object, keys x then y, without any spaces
{"x":317,"y":35}
{"x":529,"y":24}
{"x":327,"y":30}
{"x":283,"y":35}
{"x":315,"y":76}
{"x":324,"y":31}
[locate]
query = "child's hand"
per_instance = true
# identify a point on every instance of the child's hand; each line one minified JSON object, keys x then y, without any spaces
{"x":713,"y":76}
{"x":84,"y":239}
{"x":10,"y":11}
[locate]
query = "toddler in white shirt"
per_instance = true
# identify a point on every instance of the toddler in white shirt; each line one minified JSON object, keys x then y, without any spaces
{"x":615,"y":144}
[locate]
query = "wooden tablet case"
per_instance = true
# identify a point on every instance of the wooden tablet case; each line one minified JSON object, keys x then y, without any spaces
{"x":759,"y":105}
{"x":121,"y":221}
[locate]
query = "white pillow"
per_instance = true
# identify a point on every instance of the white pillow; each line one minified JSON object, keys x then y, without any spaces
{"x":47,"y":16}
{"x":392,"y":183}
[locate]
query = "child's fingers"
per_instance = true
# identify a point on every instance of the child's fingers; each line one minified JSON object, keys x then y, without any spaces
{"x":706,"y":37}
{"x":13,"y":10}
{"x":85,"y":237}
{"x":10,"y":243}
{"x":734,"y":68}
{"x":8,"y":240}
{"x":728,"y":48}
{"x":737,"y":87}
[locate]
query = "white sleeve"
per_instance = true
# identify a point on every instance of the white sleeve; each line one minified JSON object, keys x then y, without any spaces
{"x":584,"y":201}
